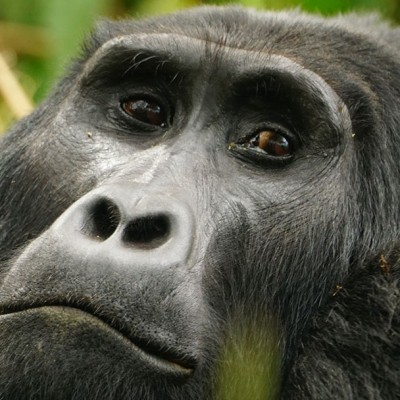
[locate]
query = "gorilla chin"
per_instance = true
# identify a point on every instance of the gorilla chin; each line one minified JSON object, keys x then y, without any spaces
{"x":207,"y":208}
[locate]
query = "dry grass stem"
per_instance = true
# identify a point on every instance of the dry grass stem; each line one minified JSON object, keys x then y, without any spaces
{"x":12,"y":92}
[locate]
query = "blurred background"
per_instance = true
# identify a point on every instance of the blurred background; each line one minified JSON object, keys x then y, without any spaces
{"x":38,"y":37}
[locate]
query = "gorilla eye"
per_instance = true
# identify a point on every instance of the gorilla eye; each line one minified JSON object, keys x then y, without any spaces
{"x":267,"y":147}
{"x":272,"y":142}
{"x":147,"y":111}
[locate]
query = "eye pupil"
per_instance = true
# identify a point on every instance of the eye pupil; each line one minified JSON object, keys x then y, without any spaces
{"x":272,"y":143}
{"x":145,"y":111}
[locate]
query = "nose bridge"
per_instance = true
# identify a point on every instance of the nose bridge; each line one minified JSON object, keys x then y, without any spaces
{"x":197,"y":152}
{"x":198,"y":164}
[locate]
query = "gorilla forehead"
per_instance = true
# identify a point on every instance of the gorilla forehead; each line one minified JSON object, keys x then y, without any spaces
{"x":253,"y":30}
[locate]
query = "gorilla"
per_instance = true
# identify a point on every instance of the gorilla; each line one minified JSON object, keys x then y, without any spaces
{"x":208,"y":207}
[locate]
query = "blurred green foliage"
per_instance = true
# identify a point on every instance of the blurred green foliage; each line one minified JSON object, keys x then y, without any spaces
{"x":249,"y":364}
{"x":66,"y":22}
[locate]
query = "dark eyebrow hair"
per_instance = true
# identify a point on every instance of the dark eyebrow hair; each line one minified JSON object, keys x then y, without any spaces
{"x":171,"y":54}
{"x":121,"y":63}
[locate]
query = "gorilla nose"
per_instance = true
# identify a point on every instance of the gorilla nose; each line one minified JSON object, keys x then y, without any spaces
{"x":133,"y":225}
{"x":147,"y":231}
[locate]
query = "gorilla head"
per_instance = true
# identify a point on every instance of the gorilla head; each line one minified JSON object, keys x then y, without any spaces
{"x":207,"y":207}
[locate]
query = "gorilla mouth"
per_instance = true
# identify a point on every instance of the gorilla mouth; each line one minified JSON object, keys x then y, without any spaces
{"x":167,"y":361}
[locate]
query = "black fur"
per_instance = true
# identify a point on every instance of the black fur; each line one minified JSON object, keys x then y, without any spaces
{"x":263,"y":277}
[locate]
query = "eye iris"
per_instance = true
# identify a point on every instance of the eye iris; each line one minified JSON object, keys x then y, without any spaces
{"x":145,"y":111}
{"x":272,"y":143}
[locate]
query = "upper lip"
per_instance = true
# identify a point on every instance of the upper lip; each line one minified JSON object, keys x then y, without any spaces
{"x":179,"y":360}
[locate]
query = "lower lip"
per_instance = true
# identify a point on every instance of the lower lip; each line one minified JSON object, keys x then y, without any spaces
{"x":62,"y":321}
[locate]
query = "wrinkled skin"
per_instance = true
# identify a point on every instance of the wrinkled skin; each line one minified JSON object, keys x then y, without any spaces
{"x":195,"y":181}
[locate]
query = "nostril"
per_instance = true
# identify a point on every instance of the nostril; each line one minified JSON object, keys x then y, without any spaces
{"x":148,"y":232}
{"x":104,"y":218}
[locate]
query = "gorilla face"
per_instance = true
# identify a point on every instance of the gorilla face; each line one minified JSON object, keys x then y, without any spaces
{"x":184,"y":217}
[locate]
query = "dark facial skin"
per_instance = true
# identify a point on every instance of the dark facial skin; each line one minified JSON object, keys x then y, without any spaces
{"x":199,"y":181}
